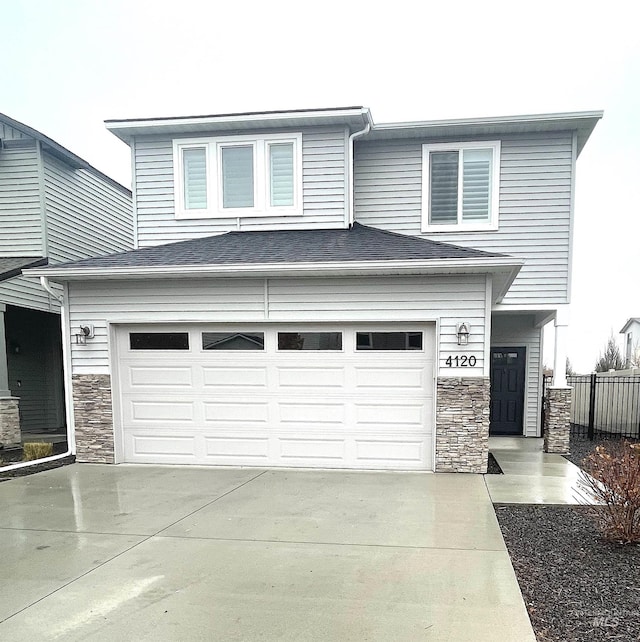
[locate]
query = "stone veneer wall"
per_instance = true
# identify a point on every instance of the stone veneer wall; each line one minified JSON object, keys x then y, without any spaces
{"x":10,"y":422}
{"x":557,"y":420}
{"x":93,"y":416}
{"x":462,"y":424}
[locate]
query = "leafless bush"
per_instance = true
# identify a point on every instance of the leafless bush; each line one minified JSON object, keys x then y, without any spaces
{"x":612,"y":479}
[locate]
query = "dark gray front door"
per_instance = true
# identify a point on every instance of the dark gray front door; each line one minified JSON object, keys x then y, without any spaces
{"x":507,"y":390}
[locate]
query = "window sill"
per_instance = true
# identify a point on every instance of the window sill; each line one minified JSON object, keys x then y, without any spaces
{"x":236,"y":213}
{"x":434,"y":229}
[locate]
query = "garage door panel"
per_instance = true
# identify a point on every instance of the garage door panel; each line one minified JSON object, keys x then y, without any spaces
{"x":389,"y":378}
{"x":146,"y":445}
{"x":240,"y":412}
{"x":350,"y":408}
{"x":161,"y":411}
{"x":390,"y":414}
{"x":311,"y":413}
{"x":311,"y":378}
{"x":328,"y":450}
{"x":239,"y":378}
{"x":388,"y":450}
{"x":237,"y":447}
{"x":161,"y":376}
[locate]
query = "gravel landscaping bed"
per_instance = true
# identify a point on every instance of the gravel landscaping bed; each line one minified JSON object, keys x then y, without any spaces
{"x":493,"y":467}
{"x":581,"y":446}
{"x":577,"y":587}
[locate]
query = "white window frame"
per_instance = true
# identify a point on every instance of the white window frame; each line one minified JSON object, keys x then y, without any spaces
{"x":261,"y":178}
{"x":461,"y":226}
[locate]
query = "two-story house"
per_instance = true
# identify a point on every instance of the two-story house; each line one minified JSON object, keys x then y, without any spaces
{"x":312,"y":289}
{"x":54,"y":207}
{"x":631,"y":342}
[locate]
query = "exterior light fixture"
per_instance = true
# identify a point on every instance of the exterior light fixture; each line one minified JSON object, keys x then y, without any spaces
{"x":86,"y":332}
{"x":463,"y":333}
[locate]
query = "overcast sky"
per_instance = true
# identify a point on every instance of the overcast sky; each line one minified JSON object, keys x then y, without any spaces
{"x":70,"y":64}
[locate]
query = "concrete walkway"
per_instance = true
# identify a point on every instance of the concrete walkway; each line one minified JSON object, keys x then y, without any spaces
{"x":530,"y":475}
{"x":94,"y":552}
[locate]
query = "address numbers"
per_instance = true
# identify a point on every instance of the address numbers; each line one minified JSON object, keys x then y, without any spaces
{"x":460,"y":361}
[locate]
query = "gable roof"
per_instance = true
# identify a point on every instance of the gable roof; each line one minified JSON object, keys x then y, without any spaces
{"x":360,"y":250}
{"x":629,"y":322}
{"x":62,"y":153}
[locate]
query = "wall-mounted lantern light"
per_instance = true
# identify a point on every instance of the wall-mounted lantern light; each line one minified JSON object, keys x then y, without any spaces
{"x":85,"y":332}
{"x":463,"y":333}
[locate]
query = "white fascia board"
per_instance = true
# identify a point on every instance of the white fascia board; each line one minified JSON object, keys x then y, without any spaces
{"x":494,"y":120}
{"x":125,"y":129}
{"x":505,"y":270}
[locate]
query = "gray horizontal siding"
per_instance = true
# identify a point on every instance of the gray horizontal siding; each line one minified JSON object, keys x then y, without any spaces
{"x":9,"y":133}
{"x":323,"y":191}
{"x":28,"y":293}
{"x":20,"y":218}
{"x":86,"y":216}
{"x":447,"y":300}
{"x":535,"y":206}
{"x":515,"y":331}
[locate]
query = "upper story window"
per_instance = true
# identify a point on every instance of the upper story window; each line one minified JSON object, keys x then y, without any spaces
{"x":460,"y":183}
{"x":238,"y":176}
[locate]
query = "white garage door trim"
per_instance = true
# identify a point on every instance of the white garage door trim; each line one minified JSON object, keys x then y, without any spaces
{"x":346,"y":408}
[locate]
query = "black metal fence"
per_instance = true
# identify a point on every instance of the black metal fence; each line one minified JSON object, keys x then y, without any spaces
{"x":605,"y":405}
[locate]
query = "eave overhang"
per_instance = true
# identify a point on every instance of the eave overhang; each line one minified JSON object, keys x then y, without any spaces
{"x":352,"y":117}
{"x":11,"y":267}
{"x":582,"y":122}
{"x":503,"y":270}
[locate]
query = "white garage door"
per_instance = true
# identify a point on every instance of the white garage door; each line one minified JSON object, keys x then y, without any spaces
{"x":311,"y":396}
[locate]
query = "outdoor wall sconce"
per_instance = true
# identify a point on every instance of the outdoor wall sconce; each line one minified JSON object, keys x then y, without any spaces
{"x":463,"y":333}
{"x":86,"y":332}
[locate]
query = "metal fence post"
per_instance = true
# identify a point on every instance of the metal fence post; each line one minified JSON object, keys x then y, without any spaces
{"x":592,"y":404}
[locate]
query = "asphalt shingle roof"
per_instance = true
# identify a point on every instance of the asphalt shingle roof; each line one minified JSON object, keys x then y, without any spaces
{"x":360,"y":243}
{"x":11,"y":266}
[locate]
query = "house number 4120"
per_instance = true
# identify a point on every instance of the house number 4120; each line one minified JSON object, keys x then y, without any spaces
{"x":460,"y":361}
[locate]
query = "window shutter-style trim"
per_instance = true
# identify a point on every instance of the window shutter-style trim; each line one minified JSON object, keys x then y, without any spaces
{"x":194,"y":162}
{"x":281,"y":174}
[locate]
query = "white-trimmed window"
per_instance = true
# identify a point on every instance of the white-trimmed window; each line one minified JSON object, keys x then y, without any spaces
{"x":236,"y":176}
{"x":460,"y":184}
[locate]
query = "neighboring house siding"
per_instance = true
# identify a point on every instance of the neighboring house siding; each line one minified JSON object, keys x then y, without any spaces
{"x":20,"y":218}
{"x":447,"y":300}
{"x":28,"y":293}
{"x":535,"y":206}
{"x":9,"y":133}
{"x":85,"y":215}
{"x":515,"y":331}
{"x":323,"y":188}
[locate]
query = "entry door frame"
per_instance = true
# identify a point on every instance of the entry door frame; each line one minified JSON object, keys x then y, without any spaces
{"x":522,"y":350}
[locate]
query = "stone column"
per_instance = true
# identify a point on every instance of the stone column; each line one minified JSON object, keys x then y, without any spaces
{"x":462,"y":424}
{"x":557,"y":418}
{"x":93,"y":415}
{"x":9,"y":410}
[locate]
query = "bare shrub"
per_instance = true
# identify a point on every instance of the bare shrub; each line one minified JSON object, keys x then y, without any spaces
{"x":613,"y":481}
{"x":36,"y":450}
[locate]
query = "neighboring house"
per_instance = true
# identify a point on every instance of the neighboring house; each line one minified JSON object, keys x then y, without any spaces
{"x":312,"y":289}
{"x":631,"y":342}
{"x":54,"y":207}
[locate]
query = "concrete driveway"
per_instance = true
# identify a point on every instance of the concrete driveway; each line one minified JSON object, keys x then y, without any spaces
{"x":92,"y":552}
